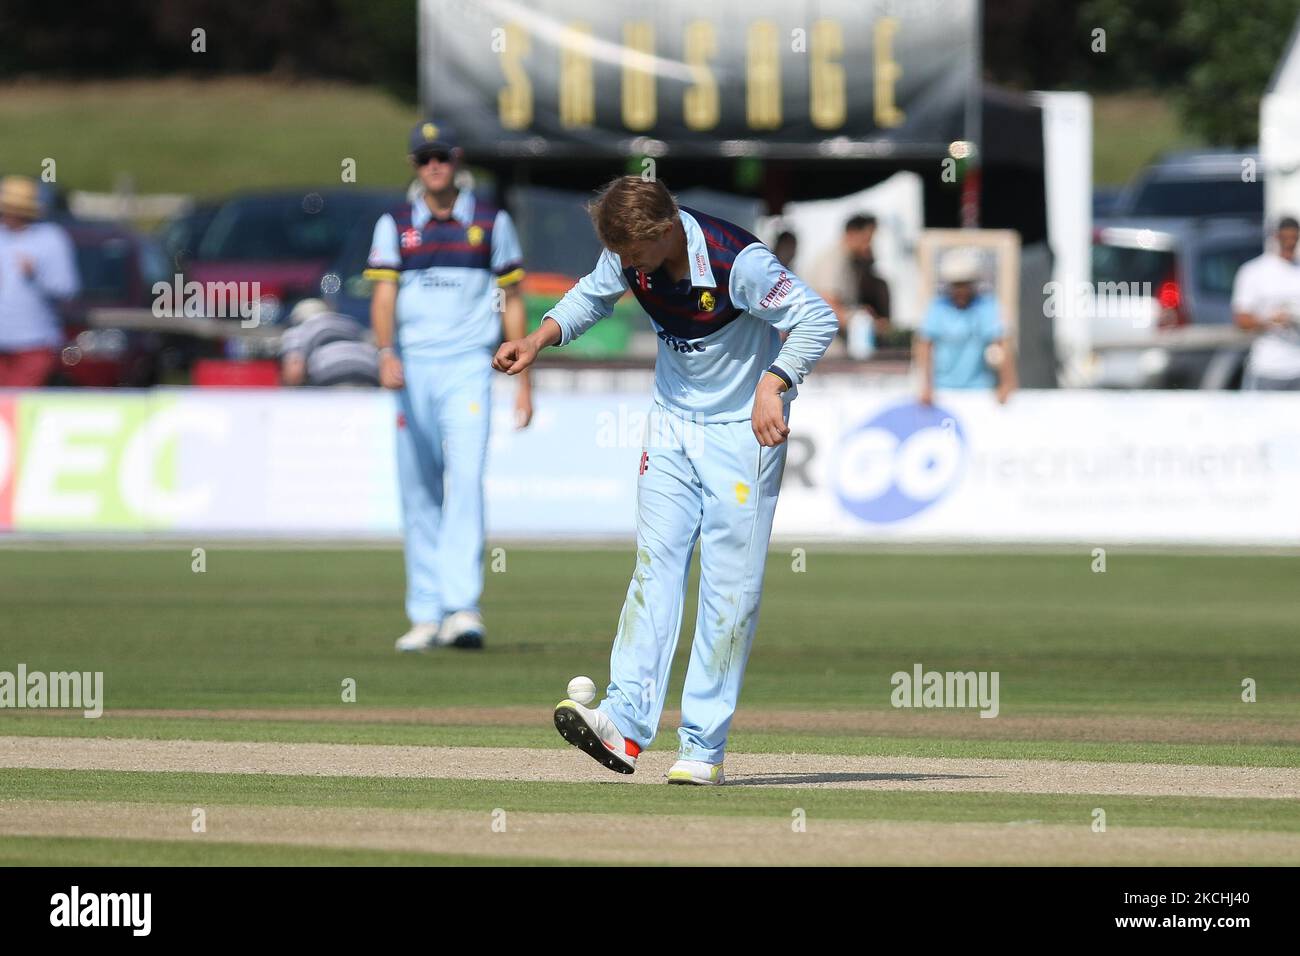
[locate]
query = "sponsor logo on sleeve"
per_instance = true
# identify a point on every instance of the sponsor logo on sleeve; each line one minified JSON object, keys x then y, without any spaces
{"x":778,"y":292}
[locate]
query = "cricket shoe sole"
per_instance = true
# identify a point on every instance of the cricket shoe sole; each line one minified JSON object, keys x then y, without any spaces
{"x":588,"y":730}
{"x":696,"y":773}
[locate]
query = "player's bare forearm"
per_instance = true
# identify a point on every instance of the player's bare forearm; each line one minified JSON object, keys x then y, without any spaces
{"x":514,"y":320}
{"x":517,"y":355}
{"x":514,"y":326}
{"x":768,"y":417}
{"x":383,"y":308}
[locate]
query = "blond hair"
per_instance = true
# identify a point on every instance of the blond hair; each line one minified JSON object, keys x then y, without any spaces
{"x":631,"y":209}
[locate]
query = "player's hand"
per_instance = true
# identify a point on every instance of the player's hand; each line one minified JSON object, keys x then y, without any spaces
{"x":390,"y":371}
{"x":524,"y":404}
{"x":768,"y":418}
{"x":927,"y":396}
{"x":1004,"y":393}
{"x":513,"y":357}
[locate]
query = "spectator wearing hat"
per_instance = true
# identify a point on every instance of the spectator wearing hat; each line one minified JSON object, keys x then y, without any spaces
{"x":38,"y":269}
{"x":961,"y":343}
{"x":446,"y":268}
{"x":1266,"y":300}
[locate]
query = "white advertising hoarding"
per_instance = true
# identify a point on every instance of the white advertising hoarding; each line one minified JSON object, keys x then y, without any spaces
{"x":1188,"y":467}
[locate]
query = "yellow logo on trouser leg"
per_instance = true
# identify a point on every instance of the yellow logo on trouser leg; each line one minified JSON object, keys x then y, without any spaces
{"x":742,"y":492}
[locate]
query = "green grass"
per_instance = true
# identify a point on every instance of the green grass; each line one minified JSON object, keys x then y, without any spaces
{"x":269,"y":790}
{"x":1155,"y":635}
{"x":1130,"y":130}
{"x":204,"y":137}
{"x":208,"y":137}
{"x":99,"y":851}
{"x":542,"y":735}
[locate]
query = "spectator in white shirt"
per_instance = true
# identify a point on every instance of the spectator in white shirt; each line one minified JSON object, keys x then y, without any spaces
{"x":1266,"y":300}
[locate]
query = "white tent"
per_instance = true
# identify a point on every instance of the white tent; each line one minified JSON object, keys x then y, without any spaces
{"x":897,"y":205}
{"x":1279,"y":135}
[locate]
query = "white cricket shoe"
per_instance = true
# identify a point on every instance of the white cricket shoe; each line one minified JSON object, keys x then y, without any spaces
{"x":463,"y":629}
{"x":696,"y":772}
{"x":592,"y":732}
{"x":421,"y":637}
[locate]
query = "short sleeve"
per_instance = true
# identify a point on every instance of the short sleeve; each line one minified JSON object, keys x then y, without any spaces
{"x":385,"y":259}
{"x":993,"y":328}
{"x":1242,"y":298}
{"x":507,"y":256}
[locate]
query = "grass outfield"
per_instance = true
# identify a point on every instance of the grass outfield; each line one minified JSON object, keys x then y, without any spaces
{"x":1142,"y":665}
{"x":210,"y":137}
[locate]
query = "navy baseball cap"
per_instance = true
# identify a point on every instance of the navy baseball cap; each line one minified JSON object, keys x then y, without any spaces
{"x":430,"y":135}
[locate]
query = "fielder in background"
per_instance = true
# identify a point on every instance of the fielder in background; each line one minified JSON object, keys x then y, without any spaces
{"x":710,"y":467}
{"x":444,"y":266}
{"x":961,"y":343}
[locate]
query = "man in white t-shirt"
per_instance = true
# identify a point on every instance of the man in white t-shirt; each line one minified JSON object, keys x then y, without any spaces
{"x":1266,"y":300}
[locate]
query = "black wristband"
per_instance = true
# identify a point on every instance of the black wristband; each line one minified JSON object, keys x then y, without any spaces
{"x":780,"y":373}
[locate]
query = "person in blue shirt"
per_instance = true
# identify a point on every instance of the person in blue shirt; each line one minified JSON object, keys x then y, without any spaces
{"x":961,"y":340}
{"x":446,"y":270}
{"x":710,"y":465}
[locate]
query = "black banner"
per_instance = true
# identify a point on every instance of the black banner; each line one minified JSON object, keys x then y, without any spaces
{"x":730,"y":77}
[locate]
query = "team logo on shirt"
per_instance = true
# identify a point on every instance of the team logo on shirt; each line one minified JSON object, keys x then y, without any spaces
{"x":707,"y":301}
{"x":474,"y":234}
{"x":410,"y":238}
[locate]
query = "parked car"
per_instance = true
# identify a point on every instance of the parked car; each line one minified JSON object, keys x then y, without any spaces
{"x":1155,"y":275}
{"x":1216,"y":182}
{"x":343,"y":287}
{"x":179,"y":238}
{"x":283,"y":240}
{"x":118,"y":269}
{"x":1105,"y":201}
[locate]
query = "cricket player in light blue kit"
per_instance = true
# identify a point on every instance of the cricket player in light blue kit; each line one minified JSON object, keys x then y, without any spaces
{"x":440,"y":265}
{"x":711,"y":465}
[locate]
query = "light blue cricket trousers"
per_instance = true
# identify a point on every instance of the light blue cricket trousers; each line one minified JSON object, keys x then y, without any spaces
{"x":442,"y":437}
{"x":713,"y":483}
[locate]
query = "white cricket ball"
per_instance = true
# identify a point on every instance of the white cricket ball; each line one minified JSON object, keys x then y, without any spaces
{"x":582,"y":690}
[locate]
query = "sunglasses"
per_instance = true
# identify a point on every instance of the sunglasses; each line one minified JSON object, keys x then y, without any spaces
{"x":433,"y":155}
